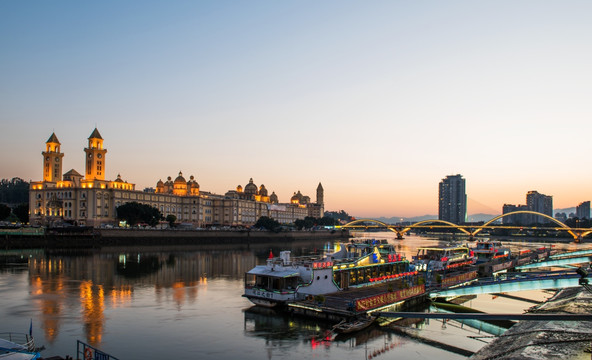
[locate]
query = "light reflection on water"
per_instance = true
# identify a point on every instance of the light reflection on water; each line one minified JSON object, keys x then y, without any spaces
{"x":183,"y":302}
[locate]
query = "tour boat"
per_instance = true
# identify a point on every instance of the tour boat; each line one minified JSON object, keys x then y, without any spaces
{"x":285,"y":279}
{"x":443,"y":258}
{"x":17,"y":346}
{"x":492,"y":250}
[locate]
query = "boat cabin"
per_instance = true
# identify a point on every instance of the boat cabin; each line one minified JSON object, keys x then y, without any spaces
{"x":486,"y":251}
{"x":442,"y":258}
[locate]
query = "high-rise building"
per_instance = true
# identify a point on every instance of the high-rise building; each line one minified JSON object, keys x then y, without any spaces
{"x":540,"y":203}
{"x":534,"y":202}
{"x":452,"y":199}
{"x":515,"y":219}
{"x":583,"y":210}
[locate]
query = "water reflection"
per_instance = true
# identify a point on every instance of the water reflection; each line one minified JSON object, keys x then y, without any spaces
{"x":115,"y":296}
{"x":112,"y":277}
{"x":280,"y":330}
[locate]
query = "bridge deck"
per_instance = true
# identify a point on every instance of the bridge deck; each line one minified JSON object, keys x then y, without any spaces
{"x":514,"y":282}
{"x":556,"y":262}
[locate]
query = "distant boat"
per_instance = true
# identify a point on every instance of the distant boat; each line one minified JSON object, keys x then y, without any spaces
{"x":443,"y":258}
{"x":17,"y":346}
{"x":487,"y":251}
{"x":352,"y":326}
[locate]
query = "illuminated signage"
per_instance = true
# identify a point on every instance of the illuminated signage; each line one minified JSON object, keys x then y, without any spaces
{"x":394,"y":257}
{"x":459,"y":279}
{"x":322,"y":264}
{"x":374,"y":302}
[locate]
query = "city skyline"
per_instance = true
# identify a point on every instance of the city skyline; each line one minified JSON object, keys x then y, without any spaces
{"x":378,"y":102}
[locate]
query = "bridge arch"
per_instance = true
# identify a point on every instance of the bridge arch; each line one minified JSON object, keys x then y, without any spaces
{"x":527,"y":212}
{"x":359,"y":221}
{"x":435,"y":221}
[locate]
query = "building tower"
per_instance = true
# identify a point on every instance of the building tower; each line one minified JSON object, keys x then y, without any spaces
{"x":95,"y":157}
{"x":541,"y":203}
{"x":52,"y":160}
{"x":452,"y":199}
{"x":320,"y":194}
{"x":583,"y":210}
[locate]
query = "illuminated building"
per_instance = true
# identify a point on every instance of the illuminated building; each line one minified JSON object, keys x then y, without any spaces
{"x":91,"y":200}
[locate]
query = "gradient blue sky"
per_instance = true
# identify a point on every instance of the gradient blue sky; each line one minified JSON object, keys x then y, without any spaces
{"x":378,"y":100}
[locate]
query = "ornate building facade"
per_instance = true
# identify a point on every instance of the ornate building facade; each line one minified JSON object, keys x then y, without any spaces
{"x":91,"y":200}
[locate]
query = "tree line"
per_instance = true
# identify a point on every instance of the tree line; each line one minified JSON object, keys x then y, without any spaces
{"x":14,"y":200}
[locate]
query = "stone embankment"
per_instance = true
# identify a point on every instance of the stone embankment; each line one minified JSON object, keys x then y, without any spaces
{"x":96,"y":238}
{"x":550,"y":339}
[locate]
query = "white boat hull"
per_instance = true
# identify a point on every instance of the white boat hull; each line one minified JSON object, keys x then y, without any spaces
{"x":268,"y":298}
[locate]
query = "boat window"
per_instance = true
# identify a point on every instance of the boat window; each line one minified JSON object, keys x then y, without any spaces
{"x":276,"y":284}
{"x":250,"y":280}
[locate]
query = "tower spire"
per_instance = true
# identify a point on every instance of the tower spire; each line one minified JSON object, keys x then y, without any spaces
{"x":52,"y":159}
{"x":95,"y":157}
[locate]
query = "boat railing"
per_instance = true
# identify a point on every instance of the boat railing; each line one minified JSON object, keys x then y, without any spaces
{"x":24,"y":340}
{"x":85,"y":351}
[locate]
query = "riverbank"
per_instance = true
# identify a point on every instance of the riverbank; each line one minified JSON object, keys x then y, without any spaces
{"x":547,"y":339}
{"x":97,"y":238}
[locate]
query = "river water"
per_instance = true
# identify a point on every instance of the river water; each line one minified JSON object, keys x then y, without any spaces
{"x":185,"y":303}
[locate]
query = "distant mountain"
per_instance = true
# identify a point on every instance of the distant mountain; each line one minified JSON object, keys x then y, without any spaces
{"x":395,"y":220}
{"x":398,"y":219}
{"x":470,"y":218}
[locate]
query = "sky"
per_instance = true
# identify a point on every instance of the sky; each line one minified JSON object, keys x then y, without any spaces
{"x":376,"y":100}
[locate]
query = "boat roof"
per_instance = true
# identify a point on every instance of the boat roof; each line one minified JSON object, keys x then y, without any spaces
{"x":263,"y":270}
{"x":443,"y":248}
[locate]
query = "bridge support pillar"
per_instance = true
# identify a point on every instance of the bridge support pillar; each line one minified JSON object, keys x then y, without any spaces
{"x":578,"y":239}
{"x":400,"y":236}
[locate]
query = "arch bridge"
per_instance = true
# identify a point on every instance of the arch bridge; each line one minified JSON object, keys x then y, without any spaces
{"x":469,"y":230}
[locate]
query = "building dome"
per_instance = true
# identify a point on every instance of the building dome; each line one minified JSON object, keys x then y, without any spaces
{"x":239,"y":189}
{"x":118,"y":178}
{"x":273,"y":198}
{"x":250,"y":188}
{"x":193,"y":183}
{"x":262,"y":190}
{"x":159,"y":183}
{"x":180,"y":179}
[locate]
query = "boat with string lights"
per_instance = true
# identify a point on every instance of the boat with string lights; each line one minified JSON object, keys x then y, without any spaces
{"x":443,"y":258}
{"x":286,"y":279}
{"x":492,"y":257}
{"x":491,"y":250}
